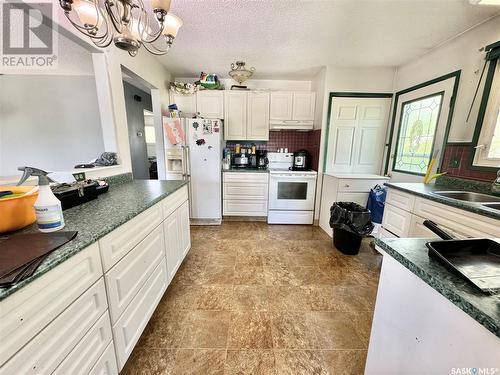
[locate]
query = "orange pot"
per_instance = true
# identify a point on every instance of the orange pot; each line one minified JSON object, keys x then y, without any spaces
{"x":17,"y":212}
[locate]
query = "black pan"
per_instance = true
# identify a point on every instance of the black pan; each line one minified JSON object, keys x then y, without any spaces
{"x":476,"y":259}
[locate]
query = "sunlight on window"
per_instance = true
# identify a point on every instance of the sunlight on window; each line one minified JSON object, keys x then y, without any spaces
{"x":150,"y":134}
{"x":494,"y":150}
{"x":417,"y":129}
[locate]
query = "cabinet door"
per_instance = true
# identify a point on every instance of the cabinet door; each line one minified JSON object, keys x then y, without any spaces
{"x":235,"y":120}
{"x":417,"y":228}
{"x":303,"y":106}
{"x":210,"y":104}
{"x":281,"y":105}
{"x":396,"y":220}
{"x":172,"y":247}
{"x":184,"y":228}
{"x":185,"y":103}
{"x":258,"y":116}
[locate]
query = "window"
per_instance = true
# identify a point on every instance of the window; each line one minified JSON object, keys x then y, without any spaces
{"x":150,"y":134}
{"x":487,"y":136}
{"x":417,"y":130}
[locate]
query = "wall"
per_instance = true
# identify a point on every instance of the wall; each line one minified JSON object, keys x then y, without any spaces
{"x":53,"y":131}
{"x":460,"y":53}
{"x":457,"y":163}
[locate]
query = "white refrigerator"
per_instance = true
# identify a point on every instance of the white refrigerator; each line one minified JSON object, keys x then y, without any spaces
{"x":193,"y":152}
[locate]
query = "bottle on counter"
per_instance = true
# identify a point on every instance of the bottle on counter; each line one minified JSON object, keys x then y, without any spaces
{"x":237,"y":148}
{"x":253,"y":148}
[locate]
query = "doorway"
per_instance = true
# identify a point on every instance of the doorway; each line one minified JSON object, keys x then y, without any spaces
{"x":139,"y":112}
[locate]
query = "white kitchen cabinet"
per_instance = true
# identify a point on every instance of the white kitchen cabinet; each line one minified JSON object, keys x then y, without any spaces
{"x":281,"y":105}
{"x":235,"y":120}
{"x":25,"y":313}
{"x":356,"y":135}
{"x":247,"y":116}
{"x":210,"y":104}
{"x":106,"y":364}
{"x":128,"y":329}
{"x":172,"y":244}
{"x":245,"y":194}
{"x":303,"y":106}
{"x":184,"y":229}
{"x":48,"y":349}
{"x":258,"y":116}
{"x":345,"y":188}
{"x":405,"y":213}
{"x":125,"y":279}
{"x":185,"y":103}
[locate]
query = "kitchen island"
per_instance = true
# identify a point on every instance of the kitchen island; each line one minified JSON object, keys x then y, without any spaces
{"x":87,"y":304}
{"x":429,"y":320}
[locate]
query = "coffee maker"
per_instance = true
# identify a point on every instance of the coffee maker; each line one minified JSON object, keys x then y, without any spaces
{"x":262,"y":160}
{"x":301,"y":161}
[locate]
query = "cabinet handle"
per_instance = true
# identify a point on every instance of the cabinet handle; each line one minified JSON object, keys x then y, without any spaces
{"x":346,"y":185}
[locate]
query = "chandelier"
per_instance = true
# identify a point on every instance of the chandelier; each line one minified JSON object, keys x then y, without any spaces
{"x":129,"y":24}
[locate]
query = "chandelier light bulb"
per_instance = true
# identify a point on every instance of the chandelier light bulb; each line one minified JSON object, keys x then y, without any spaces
{"x":87,"y":13}
{"x":172,"y":24}
{"x":161,"y":4}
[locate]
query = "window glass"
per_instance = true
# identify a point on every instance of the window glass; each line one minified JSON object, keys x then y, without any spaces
{"x":494,"y":150}
{"x":292,"y":190}
{"x":417,"y":129}
{"x":150,"y":134}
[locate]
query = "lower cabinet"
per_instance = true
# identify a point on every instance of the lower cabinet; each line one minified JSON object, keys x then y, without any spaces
{"x":75,"y":320}
{"x":245,"y":194}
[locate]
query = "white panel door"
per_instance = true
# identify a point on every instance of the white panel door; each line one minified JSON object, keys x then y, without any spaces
{"x":235,"y":120}
{"x":210,"y":104}
{"x":303,"y":106}
{"x":281,"y":105}
{"x":172,"y":247}
{"x":357,"y":135}
{"x":258,"y":116}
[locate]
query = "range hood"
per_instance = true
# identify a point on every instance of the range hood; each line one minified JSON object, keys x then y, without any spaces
{"x":291,"y":125}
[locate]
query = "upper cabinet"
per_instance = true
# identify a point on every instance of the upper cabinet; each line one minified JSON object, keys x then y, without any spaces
{"x":210,"y":104}
{"x":303,"y":106}
{"x":281,"y":105}
{"x":292,"y":110}
{"x":185,"y":103}
{"x":246,"y":116}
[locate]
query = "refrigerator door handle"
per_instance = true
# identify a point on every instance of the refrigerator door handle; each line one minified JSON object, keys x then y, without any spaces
{"x":188,"y":166}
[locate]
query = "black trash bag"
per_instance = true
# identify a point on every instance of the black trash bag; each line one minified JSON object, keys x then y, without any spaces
{"x":351,"y":217}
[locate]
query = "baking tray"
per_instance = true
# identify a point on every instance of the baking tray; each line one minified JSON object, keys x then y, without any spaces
{"x":478,"y":260}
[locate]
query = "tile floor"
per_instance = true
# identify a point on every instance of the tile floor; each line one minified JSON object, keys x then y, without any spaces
{"x":256,"y":299}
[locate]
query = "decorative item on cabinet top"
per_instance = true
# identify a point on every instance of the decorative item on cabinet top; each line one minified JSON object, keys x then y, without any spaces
{"x":184,"y":88}
{"x":239,"y":73}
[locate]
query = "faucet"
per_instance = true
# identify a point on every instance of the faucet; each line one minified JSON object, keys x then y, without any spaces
{"x":495,"y":186}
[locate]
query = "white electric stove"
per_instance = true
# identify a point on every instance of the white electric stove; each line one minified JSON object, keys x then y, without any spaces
{"x":291,"y":193}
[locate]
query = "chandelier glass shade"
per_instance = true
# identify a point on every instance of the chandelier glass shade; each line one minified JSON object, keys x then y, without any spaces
{"x":239,"y":72}
{"x":129,"y":24}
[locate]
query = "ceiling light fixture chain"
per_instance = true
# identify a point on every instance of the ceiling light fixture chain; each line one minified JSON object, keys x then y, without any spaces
{"x":129,"y":24}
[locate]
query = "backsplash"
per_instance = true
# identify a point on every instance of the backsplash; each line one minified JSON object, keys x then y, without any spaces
{"x":290,"y":139}
{"x":456,"y":162}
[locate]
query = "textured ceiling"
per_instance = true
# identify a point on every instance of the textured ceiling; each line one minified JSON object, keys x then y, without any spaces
{"x":290,"y":39}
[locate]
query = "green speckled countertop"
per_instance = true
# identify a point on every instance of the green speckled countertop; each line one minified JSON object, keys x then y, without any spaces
{"x":413,"y":255}
{"x":97,"y":218}
{"x":426,"y":191}
{"x":246,"y":170}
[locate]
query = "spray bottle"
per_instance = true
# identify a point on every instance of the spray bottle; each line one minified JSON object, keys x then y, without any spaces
{"x":48,"y":210}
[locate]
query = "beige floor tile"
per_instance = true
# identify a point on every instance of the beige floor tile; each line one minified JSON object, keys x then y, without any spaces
{"x":217,"y":274}
{"x":249,"y":275}
{"x":250,"y":330}
{"x":206,"y":329}
{"x":334,"y":330}
{"x":345,"y":362}
{"x":146,"y":361}
{"x":291,"y":330}
{"x":250,"y":298}
{"x":199,"y":362}
{"x":299,"y":362}
{"x":250,"y":362}
{"x":215,"y":297}
{"x":288,"y":298}
{"x":165,"y":329}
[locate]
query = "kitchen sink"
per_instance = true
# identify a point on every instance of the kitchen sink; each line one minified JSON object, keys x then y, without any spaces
{"x":468,"y":196}
{"x":495,"y":206}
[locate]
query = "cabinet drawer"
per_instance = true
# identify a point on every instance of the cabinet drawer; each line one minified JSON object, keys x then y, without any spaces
{"x":48,"y":349}
{"x":106,"y":364}
{"x":26,"y":312}
{"x":396,"y":220}
{"x":461,"y":221}
{"x":119,"y":242}
{"x":246,"y":177}
{"x":245,"y":191}
{"x":357,"y":185}
{"x":88,"y":351}
{"x":128,"y":329}
{"x":173,"y":201}
{"x":417,"y":228}
{"x":234,"y":207}
{"x":401,"y":200}
{"x":125,"y":279}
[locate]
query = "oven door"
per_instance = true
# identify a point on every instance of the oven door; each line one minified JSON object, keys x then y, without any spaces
{"x":292,"y":192}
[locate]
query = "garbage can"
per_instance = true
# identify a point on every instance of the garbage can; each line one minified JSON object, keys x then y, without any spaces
{"x":350,"y":222}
